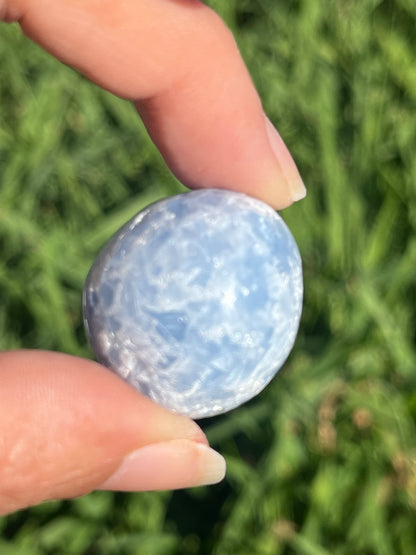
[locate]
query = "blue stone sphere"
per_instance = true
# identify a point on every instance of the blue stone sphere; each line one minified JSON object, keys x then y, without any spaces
{"x":196,"y":301}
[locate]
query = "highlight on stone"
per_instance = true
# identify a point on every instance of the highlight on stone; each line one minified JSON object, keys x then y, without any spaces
{"x":196,"y":301}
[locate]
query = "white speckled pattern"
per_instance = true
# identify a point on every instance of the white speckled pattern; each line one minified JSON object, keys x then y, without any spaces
{"x":196,"y":301}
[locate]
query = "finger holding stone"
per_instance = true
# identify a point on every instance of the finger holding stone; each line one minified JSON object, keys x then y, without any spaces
{"x":180,"y":65}
{"x":69,"y":426}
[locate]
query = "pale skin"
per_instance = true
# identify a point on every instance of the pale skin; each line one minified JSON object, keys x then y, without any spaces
{"x":67,"y":425}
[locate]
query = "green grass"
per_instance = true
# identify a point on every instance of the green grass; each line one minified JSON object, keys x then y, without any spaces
{"x":324,"y":461}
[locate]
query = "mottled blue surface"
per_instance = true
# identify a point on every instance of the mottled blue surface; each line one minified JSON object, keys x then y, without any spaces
{"x":196,"y":301}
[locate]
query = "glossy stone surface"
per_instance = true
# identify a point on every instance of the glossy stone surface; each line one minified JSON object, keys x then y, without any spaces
{"x":196,"y":301}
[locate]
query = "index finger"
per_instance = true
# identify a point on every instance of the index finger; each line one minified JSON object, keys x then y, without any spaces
{"x":180,"y":65}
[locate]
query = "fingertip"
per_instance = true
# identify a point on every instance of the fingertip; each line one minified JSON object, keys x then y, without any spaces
{"x":212,"y":132}
{"x":169,"y":465}
{"x":293,"y":188}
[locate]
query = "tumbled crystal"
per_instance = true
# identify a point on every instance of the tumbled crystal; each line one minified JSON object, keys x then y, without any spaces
{"x":196,"y":301}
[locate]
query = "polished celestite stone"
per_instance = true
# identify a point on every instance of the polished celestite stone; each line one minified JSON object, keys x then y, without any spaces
{"x":196,"y":301}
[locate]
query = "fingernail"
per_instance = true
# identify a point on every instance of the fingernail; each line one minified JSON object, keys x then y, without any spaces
{"x":175,"y":464}
{"x":286,"y":162}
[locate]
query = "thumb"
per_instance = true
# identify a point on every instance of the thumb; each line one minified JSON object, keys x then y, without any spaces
{"x":69,"y":426}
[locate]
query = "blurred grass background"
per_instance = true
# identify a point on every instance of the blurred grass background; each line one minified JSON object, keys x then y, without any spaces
{"x":323,"y":461}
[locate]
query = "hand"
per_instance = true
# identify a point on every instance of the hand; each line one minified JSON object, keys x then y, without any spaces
{"x":67,"y":425}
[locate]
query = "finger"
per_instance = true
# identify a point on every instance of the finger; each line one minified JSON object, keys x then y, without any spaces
{"x":181,"y":66}
{"x":68,"y":426}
